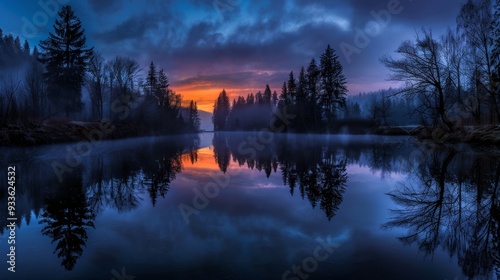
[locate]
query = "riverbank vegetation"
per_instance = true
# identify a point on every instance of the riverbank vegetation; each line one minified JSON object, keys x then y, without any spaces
{"x":45,"y":90}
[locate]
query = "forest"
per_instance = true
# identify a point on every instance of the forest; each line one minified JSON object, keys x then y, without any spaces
{"x":449,"y":87}
{"x":63,"y":83}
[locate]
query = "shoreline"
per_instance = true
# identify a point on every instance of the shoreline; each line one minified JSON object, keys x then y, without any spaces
{"x":56,"y":132}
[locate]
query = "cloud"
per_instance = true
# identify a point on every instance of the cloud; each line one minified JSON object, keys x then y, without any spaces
{"x":188,"y":40}
{"x":107,"y":6}
{"x":134,"y":28}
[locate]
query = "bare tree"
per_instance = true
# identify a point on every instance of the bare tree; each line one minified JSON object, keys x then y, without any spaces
{"x":122,"y":73}
{"x":423,"y":71}
{"x":34,"y":87}
{"x":454,"y":50}
{"x":10,"y":91}
{"x":475,"y":23}
{"x":96,"y":80}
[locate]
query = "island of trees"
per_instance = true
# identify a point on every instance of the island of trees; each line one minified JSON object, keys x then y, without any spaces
{"x":41,"y":98}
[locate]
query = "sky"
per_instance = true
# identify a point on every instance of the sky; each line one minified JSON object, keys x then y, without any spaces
{"x":240,"y":45}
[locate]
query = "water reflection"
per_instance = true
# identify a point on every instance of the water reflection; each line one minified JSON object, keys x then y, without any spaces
{"x":318,"y":171}
{"x":66,"y":219}
{"x":452,"y":201}
{"x":107,"y":179}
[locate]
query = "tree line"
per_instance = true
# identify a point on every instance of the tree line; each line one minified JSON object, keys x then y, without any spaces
{"x":454,"y":78}
{"x":317,"y":97}
{"x":448,"y":82}
{"x":54,"y":76}
{"x":384,"y":107}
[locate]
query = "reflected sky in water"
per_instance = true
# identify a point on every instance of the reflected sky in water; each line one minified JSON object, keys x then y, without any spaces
{"x":254,"y":228}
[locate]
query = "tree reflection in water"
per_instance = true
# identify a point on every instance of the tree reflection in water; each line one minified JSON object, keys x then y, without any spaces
{"x":318,"y":171}
{"x":450,"y":201}
{"x":112,"y":182}
{"x":66,"y":219}
{"x":453,"y":202}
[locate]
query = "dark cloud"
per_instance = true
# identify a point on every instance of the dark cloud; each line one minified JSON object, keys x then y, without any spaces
{"x":133,"y":28}
{"x":189,"y":40}
{"x":100,"y":6}
{"x":233,"y":80}
{"x":277,"y":36}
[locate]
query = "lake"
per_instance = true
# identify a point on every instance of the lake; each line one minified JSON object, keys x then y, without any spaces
{"x":253,"y":206}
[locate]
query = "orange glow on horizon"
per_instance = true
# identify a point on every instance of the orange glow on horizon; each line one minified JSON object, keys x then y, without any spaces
{"x":205,"y":97}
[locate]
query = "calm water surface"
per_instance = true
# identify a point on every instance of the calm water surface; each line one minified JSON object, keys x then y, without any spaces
{"x":236,"y":206}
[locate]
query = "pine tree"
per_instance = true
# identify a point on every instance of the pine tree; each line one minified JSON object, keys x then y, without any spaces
{"x":292,"y":88}
{"x":284,"y":99}
{"x":26,"y":48}
{"x":333,"y":84}
{"x":161,"y":87}
{"x":221,"y":111}
{"x":194,"y":117}
{"x":151,"y":80}
{"x":66,"y":57}
{"x":275,"y":99}
{"x":17,"y":46}
{"x":267,"y":95}
{"x":250,"y":99}
{"x":259,"y":98}
{"x":313,"y":77}
{"x":302,"y":86}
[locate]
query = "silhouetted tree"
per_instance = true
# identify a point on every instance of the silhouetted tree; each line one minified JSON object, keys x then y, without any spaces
{"x":302,"y":87}
{"x":221,"y":111}
{"x":267,"y":95}
{"x":259,"y":98}
{"x":250,"y":99}
{"x":292,"y":88}
{"x":333,"y":84}
{"x":162,"y":90}
{"x":26,"y":48}
{"x":66,"y":58}
{"x":96,"y":82}
{"x":275,"y":99}
{"x":34,"y":85}
{"x":496,"y":42}
{"x":284,"y":98}
{"x":150,"y":87}
{"x":421,"y":69}
{"x":475,"y":22}
{"x":194,"y":117}
{"x":122,"y":77}
{"x":313,"y":79}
